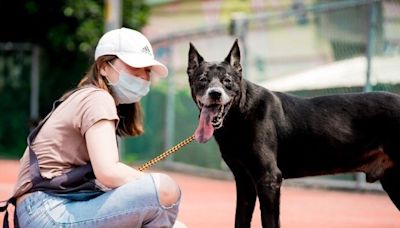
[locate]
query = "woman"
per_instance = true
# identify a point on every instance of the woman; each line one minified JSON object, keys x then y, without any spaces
{"x":83,"y":129}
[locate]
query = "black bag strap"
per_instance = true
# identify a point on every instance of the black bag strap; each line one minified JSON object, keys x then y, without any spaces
{"x":34,"y":169}
{"x":3,"y":208}
{"x":5,"y":203}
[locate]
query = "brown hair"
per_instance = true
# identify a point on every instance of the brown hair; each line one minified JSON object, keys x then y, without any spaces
{"x":130,"y":115}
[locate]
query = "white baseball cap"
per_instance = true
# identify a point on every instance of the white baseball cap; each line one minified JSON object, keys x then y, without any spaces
{"x":132,"y":47}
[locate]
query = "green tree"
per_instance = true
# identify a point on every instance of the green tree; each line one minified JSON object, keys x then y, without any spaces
{"x":66,"y":31}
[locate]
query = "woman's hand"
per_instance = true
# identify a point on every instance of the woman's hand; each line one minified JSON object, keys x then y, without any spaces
{"x":103,"y":152}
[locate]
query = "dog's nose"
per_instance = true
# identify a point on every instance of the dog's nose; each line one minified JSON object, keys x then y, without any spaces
{"x":215,"y":94}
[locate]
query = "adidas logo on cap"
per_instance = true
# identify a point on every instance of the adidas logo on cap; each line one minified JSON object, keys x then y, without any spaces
{"x":146,"y":50}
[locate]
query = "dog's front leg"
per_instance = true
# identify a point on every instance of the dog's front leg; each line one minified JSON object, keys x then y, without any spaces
{"x":269,"y":190}
{"x":245,"y":193}
{"x":268,"y":180}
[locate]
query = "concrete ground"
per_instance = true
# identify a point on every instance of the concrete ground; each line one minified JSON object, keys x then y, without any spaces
{"x":211,"y":203}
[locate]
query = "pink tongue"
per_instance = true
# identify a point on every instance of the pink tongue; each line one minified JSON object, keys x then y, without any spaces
{"x":205,"y":130}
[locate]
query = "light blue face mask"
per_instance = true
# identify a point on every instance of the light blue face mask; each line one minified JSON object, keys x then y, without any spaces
{"x":129,"y":88}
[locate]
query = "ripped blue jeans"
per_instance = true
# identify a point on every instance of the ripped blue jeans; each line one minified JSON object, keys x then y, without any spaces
{"x":135,"y":204}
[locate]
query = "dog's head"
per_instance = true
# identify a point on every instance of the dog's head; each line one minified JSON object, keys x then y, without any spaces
{"x":215,"y":86}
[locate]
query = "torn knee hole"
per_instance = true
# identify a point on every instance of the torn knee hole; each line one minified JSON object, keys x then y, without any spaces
{"x":167,"y":189}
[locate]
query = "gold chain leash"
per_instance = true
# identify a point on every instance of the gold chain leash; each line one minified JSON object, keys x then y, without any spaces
{"x":166,"y":153}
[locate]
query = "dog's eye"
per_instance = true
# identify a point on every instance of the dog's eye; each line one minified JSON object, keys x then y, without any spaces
{"x":227,"y":81}
{"x":203,"y":79}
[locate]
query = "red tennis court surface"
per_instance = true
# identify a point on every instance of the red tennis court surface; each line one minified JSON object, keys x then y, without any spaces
{"x":210,"y":203}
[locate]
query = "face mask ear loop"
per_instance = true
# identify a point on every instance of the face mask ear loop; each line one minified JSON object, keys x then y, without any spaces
{"x":108,"y":80}
{"x":112,"y":66}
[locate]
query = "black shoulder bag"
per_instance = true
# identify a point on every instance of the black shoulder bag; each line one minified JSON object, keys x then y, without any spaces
{"x":77,"y":184}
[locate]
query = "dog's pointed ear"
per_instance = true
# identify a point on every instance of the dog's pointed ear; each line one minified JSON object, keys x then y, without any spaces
{"x":194,"y":60}
{"x":233,"y":57}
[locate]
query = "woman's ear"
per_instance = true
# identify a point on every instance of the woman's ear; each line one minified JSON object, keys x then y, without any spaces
{"x":104,"y":69}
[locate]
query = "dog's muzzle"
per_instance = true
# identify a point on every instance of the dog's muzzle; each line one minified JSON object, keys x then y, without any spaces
{"x":214,"y":106}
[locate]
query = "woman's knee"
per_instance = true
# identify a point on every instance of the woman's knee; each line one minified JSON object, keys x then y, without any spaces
{"x":168,"y":190}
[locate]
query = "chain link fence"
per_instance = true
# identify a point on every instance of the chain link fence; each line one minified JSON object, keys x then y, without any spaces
{"x":304,"y":48}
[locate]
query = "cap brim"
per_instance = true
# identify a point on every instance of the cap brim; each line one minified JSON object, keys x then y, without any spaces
{"x":140,"y":60}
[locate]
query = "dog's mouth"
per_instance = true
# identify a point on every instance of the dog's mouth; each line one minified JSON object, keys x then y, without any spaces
{"x":211,"y":118}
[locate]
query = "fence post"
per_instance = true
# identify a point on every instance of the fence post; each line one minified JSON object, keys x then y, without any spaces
{"x":35,"y":85}
{"x":239,"y":28}
{"x":170,"y":105}
{"x":360,"y":177}
{"x":113,"y":20}
{"x":371,"y":43}
{"x":113,"y":15}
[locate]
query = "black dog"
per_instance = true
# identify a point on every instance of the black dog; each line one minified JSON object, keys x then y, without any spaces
{"x":265,"y":137}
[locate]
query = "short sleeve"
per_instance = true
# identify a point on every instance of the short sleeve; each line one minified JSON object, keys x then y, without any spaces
{"x":97,"y":105}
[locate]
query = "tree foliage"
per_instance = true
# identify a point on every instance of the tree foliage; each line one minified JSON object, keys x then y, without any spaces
{"x":66,"y":32}
{"x":68,"y":25}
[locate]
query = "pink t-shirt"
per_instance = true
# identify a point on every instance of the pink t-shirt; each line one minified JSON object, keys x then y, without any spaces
{"x":60,"y":145}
